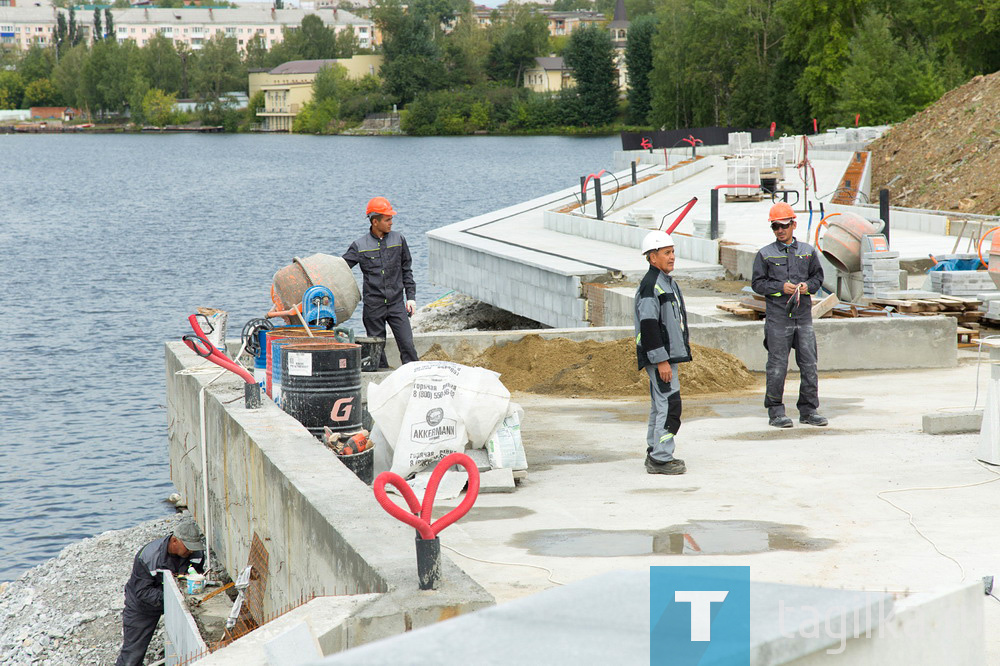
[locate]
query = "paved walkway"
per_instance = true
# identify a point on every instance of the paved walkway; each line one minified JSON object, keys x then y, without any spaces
{"x":806,"y":498}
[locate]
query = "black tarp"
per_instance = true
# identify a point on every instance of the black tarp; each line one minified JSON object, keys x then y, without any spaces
{"x":710,"y":136}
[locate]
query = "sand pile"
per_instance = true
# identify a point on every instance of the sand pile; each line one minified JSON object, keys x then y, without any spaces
{"x":594,"y":369}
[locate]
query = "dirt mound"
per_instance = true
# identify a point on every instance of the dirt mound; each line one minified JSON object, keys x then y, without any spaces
{"x":594,"y":369}
{"x":946,"y":157}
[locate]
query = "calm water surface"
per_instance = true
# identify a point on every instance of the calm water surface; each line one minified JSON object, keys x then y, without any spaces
{"x":109,"y":242}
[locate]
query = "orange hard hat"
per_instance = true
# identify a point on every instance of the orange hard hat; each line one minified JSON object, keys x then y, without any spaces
{"x":781,"y":211}
{"x":379,"y":206}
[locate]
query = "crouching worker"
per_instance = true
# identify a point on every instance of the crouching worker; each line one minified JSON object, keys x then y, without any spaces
{"x":661,"y":337}
{"x":144,"y":589}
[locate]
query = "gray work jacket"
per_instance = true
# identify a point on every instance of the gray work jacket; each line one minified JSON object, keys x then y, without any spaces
{"x":385,"y":265}
{"x":144,"y":589}
{"x":776,"y":264}
{"x":661,"y":331}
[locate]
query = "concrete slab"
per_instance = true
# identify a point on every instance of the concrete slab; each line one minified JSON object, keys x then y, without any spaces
{"x":807,"y":499}
{"x":605,"y":619}
{"x":950,"y":424}
{"x":497,"y":481}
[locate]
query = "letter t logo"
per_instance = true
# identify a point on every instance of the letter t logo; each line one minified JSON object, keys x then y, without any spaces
{"x":701,"y":610}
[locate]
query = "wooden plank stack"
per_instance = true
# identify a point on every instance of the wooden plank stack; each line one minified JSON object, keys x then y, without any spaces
{"x":964,"y":310}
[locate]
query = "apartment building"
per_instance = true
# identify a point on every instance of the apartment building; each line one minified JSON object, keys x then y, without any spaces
{"x":21,"y":27}
{"x":548,"y":75}
{"x":289,"y":86}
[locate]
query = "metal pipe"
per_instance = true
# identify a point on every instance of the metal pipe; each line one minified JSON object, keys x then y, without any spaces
{"x":883,"y":211}
{"x":597,"y":199}
{"x":634,"y":181}
{"x":583,"y":190}
{"x":713,"y":232}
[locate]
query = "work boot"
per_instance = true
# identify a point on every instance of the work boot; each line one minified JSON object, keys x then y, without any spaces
{"x":781,"y":422}
{"x":813,"y":419}
{"x":675,"y":466}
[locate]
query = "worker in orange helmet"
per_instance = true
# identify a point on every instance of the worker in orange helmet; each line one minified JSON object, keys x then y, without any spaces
{"x":787,"y":272}
{"x":389,"y":293}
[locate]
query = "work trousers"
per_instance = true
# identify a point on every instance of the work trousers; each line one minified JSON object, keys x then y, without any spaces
{"x":137,"y":630}
{"x":375,"y":319}
{"x":664,"y":415}
{"x":780,"y":336}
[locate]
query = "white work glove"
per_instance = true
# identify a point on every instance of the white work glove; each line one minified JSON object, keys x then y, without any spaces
{"x":411,"y":307}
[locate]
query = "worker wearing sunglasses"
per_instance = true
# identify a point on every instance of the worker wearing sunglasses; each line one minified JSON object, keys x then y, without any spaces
{"x":787,"y":272}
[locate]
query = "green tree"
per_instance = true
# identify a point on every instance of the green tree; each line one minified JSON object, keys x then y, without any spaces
{"x":818,"y":34}
{"x":312,"y":40}
{"x":41,"y":92}
{"x":963,"y":32}
{"x":11,"y":90}
{"x":73,"y":31}
{"x":704,"y":51}
{"x":639,"y":63}
{"x":68,"y":76}
{"x":109,"y":24}
{"x":36,"y":63}
{"x":412,"y":61}
{"x":518,"y":37}
{"x":331,"y":82}
{"x":571,"y":5}
{"x":111,"y":77}
{"x":256,"y":103}
{"x":590,"y":54}
{"x":886,"y":80}
{"x":62,"y":33}
{"x":255,"y":55}
{"x":98,"y":28}
{"x":158,"y":107}
{"x":346,"y":43}
{"x":218,"y":68}
{"x":161,"y":64}
{"x":465,"y":51}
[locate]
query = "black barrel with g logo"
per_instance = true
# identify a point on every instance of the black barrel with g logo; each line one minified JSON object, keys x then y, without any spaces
{"x":321,"y":385}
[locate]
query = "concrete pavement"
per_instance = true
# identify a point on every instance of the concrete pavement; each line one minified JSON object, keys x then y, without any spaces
{"x":806,"y":498}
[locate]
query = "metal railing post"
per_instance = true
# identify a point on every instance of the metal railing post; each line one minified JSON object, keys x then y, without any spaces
{"x":713,"y":229}
{"x":883,"y":211}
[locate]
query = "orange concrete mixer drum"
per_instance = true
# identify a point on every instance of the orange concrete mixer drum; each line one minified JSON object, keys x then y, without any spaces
{"x":291,"y":282}
{"x":841,"y":244}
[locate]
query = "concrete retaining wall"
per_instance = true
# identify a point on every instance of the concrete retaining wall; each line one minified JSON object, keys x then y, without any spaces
{"x":321,"y":527}
{"x":943,"y":223}
{"x":620,"y":233}
{"x":844,"y":344}
{"x":506,"y":277}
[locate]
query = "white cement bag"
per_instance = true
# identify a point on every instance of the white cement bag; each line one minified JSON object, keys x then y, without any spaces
{"x":382,"y":460}
{"x":429,"y":409}
{"x":504,"y":445}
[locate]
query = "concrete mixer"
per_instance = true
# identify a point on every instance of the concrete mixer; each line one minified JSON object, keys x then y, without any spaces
{"x":841,"y":249}
{"x":291,"y":282}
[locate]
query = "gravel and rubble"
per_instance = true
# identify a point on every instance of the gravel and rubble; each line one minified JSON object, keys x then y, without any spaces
{"x":458,"y":312}
{"x":68,"y":610}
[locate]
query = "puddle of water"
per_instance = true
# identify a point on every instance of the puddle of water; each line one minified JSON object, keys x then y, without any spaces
{"x":478,"y":513}
{"x":703,"y":537}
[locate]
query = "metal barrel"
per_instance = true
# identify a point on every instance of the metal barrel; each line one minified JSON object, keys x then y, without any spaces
{"x":274,"y":369}
{"x":272,"y":365}
{"x":321,"y":385}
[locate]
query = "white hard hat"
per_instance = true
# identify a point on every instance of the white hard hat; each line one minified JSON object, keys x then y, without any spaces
{"x":654,"y":240}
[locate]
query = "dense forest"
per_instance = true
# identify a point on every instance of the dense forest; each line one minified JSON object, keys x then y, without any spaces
{"x":690,"y":63}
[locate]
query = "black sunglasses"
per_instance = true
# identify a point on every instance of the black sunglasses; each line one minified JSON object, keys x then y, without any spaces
{"x":777,"y":225}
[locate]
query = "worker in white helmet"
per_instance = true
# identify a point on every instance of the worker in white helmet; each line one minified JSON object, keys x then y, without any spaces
{"x":661,"y":341}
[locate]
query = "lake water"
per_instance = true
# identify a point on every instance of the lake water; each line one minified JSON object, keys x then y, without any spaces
{"x":110,"y":241}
